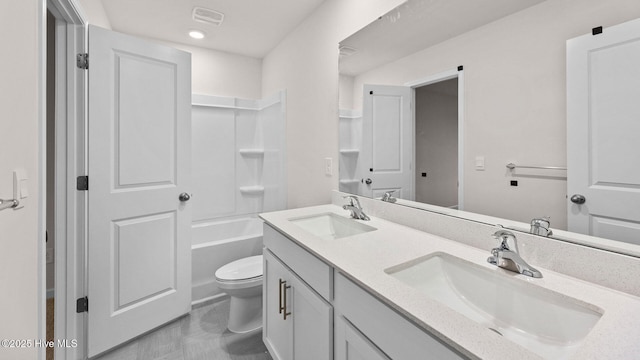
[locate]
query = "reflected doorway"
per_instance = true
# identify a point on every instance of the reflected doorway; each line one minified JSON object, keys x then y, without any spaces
{"x":436,"y":143}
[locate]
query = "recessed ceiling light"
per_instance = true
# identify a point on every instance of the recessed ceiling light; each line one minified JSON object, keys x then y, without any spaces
{"x":196,"y":34}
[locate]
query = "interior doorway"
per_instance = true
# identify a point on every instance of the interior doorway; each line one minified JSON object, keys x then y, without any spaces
{"x":438,"y":120}
{"x":50,"y":185}
{"x":63,"y":158}
{"x":436,"y":143}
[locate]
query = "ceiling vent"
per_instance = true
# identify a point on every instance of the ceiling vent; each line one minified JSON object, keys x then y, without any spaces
{"x":207,"y":16}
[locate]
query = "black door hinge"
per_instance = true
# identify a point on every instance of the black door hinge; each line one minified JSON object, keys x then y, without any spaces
{"x":82,"y":61}
{"x":82,"y":183}
{"x":82,"y":305}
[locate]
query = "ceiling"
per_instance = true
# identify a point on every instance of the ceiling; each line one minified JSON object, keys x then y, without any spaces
{"x":419,"y":24}
{"x":251,"y":27}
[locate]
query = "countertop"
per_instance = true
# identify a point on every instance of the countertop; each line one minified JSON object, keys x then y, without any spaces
{"x":364,"y":257}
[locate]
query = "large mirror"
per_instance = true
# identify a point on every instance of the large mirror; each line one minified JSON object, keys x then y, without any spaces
{"x":461,"y":108}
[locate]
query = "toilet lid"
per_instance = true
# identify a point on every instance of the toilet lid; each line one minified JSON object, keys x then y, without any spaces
{"x":246,"y":268}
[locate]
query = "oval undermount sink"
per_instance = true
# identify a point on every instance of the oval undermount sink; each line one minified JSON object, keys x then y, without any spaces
{"x":547,"y":323}
{"x":331,"y":226}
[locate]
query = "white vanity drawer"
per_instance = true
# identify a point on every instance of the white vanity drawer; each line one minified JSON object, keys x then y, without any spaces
{"x":396,"y":336}
{"x":308,"y":267}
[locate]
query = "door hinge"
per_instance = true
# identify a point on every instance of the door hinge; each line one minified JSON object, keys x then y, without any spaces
{"x":82,"y":183}
{"x":82,"y":305}
{"x":82,"y":60}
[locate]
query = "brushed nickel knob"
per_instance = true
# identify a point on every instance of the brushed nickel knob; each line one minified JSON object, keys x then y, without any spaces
{"x":578,"y":199}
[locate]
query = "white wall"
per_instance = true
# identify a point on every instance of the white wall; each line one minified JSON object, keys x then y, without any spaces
{"x":514,"y":100}
{"x":220,"y":73}
{"x":94,"y":11}
{"x":305,"y":63}
{"x":19,"y":236}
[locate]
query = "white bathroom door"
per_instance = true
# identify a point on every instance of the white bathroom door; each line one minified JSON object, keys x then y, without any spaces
{"x":603,"y":133}
{"x":139,"y":246}
{"x":387,"y":141}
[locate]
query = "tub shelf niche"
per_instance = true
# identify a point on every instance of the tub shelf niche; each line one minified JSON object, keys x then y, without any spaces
{"x":251,"y":152}
{"x":256,"y":190}
{"x":349,"y":152}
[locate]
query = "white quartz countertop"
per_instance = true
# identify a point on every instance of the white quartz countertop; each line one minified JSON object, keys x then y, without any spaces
{"x":364,"y":257}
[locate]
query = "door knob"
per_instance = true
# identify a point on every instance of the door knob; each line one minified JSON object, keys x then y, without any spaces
{"x":368,"y":181}
{"x":578,"y":199}
{"x":184,"y":197}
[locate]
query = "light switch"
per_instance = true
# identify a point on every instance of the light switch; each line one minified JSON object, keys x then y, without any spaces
{"x":328,"y":166}
{"x":480,"y":163}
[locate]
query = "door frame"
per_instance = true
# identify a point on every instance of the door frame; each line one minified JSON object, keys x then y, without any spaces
{"x":432,"y":79}
{"x":70,"y":154}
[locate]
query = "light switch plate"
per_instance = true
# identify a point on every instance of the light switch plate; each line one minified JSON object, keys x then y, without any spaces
{"x":480,"y":163}
{"x":328,"y":166}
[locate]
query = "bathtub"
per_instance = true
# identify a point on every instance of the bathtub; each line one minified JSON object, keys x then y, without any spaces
{"x":217,"y":243}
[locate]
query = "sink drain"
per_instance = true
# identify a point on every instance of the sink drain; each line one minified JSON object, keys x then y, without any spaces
{"x":495,"y":331}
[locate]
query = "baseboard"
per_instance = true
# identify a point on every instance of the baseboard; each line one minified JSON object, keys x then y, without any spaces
{"x":208,"y":300}
{"x":51,"y":293}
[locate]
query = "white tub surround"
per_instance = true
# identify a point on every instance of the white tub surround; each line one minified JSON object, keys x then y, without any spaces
{"x":238,"y":171}
{"x":363,"y":259}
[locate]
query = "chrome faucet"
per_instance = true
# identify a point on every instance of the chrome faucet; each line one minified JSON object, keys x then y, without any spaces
{"x":503,"y":257}
{"x":355,"y":208}
{"x":540,"y":226}
{"x":388,"y":197}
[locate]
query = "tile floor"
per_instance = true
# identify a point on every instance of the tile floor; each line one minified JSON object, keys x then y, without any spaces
{"x":201,"y":335}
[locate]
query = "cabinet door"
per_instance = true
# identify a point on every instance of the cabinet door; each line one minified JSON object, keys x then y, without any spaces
{"x":351,"y":344}
{"x":277,"y":333}
{"x":306,"y":332}
{"x":312,"y":322}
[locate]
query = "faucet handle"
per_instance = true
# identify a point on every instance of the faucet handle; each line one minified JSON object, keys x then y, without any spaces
{"x":388,"y":197}
{"x":541,"y":226}
{"x":504,"y":236}
{"x":353,"y":198}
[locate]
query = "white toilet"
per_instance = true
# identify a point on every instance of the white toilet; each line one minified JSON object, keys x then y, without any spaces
{"x":242,"y":281}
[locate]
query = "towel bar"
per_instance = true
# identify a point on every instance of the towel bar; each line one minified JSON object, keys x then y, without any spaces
{"x":512,"y":166}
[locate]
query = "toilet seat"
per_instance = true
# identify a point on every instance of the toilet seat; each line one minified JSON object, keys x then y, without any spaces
{"x":244,"y":270}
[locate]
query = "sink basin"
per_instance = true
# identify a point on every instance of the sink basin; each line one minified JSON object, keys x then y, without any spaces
{"x":547,"y":323}
{"x":331,"y":226}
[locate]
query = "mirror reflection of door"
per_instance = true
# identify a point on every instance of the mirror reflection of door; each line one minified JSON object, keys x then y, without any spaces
{"x":387,"y":141}
{"x":436,"y":139}
{"x":603,"y":81}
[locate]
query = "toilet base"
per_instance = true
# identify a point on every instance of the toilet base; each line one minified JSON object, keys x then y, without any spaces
{"x":245,"y":314}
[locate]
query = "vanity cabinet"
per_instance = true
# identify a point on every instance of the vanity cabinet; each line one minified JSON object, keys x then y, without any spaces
{"x":297,"y":320}
{"x":303,"y":298}
{"x":394,"y":336}
{"x":351,"y":344}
